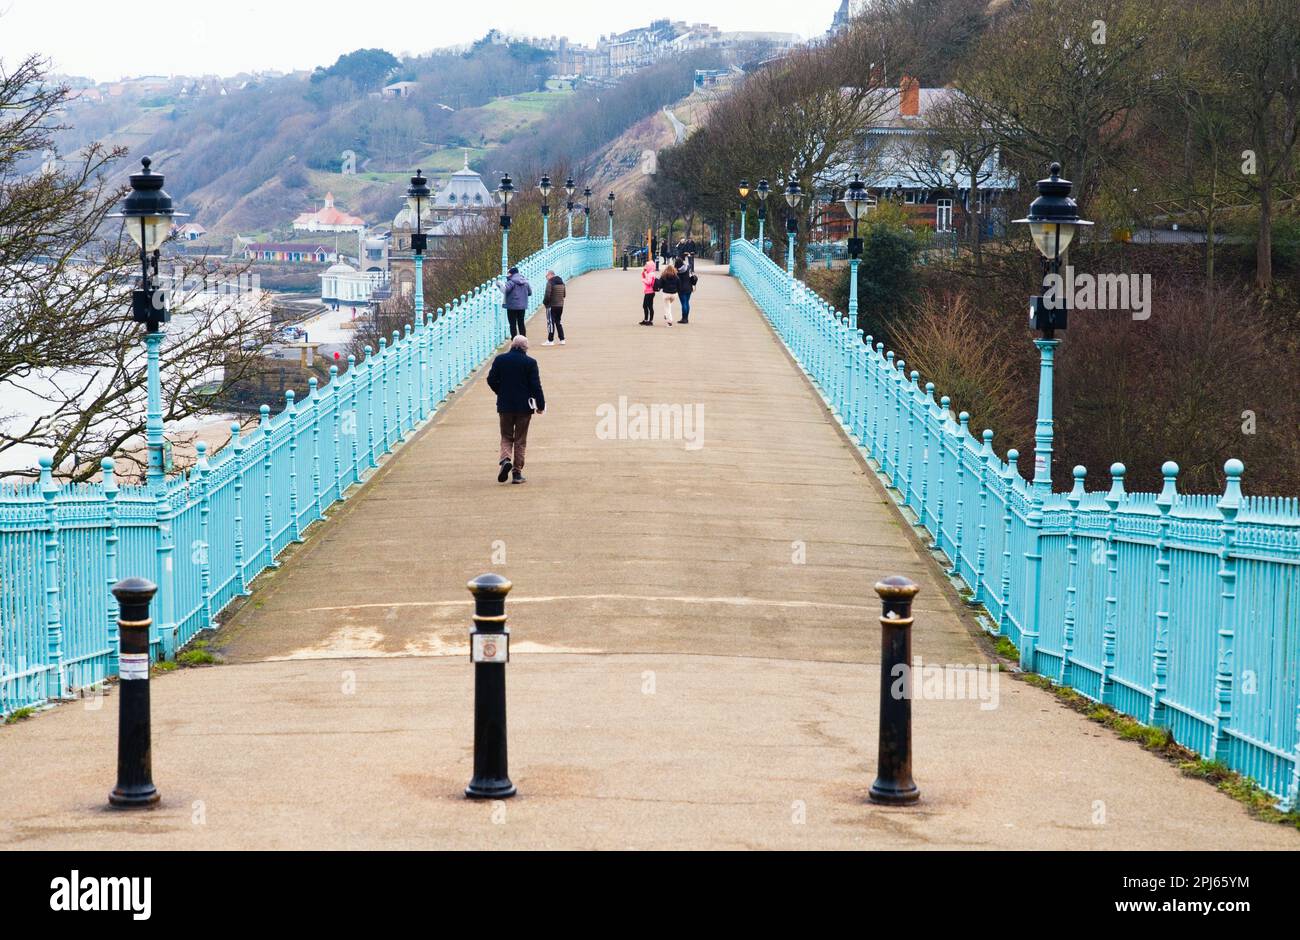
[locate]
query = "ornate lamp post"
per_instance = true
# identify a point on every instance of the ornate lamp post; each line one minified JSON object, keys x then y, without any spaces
{"x":544,"y":187}
{"x":763,"y":190}
{"x":416,"y":195}
{"x":568,"y":191}
{"x":744,"y":205}
{"x":609,"y":202}
{"x":855,"y":201}
{"x":586,"y":212}
{"x":1053,"y":222}
{"x":793,"y":196}
{"x":147,"y":215}
{"x":506,"y":191}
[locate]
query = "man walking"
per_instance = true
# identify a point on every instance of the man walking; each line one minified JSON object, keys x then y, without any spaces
{"x":553,"y":301}
{"x":516,"y":291}
{"x":515,"y":378}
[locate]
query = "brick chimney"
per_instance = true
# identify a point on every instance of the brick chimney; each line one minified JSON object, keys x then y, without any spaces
{"x":909,"y":101}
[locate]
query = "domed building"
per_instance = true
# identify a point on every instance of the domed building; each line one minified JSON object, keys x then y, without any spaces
{"x":462,"y":203}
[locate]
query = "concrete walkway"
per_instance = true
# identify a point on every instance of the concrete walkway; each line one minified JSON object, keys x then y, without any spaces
{"x":694,"y":648}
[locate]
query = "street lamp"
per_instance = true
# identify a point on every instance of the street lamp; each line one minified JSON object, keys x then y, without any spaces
{"x":793,"y":196}
{"x":416,"y":194}
{"x":1053,"y":222}
{"x":855,"y":201}
{"x":147,"y":215}
{"x":609,"y":201}
{"x":586,"y":212}
{"x":763,"y":190}
{"x":506,"y":191}
{"x":568,"y":190}
{"x":544,"y":187}
{"x":744,"y":205}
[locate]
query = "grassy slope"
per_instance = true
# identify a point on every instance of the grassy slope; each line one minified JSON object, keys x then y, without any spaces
{"x":377,"y":195}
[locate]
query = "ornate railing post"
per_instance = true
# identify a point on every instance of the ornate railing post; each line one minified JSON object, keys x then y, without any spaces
{"x":384,"y":362}
{"x":205,"y":533}
{"x":352,"y":428}
{"x":241,"y":576}
{"x":941,"y":444}
{"x":110,"y":559}
{"x":397,"y":350}
{"x":897,"y":378}
{"x":1229,"y":506}
{"x":268,"y":487}
{"x":1074,"y":498}
{"x":1008,"y":484}
{"x":54,"y":678}
{"x":928,"y":407}
{"x":963,"y":429}
{"x":909,"y":474}
{"x":291,"y":407}
{"x":333,"y":389}
{"x":1114,"y":499}
{"x":987,"y":457}
{"x":313,"y":402}
{"x":1165,"y":503}
{"x":369,"y":366}
{"x":877,"y":400}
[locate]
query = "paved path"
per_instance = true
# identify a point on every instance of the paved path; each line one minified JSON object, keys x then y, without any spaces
{"x":694,"y":657}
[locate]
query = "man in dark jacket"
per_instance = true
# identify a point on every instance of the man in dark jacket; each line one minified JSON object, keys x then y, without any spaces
{"x":515,"y":291}
{"x":515,"y":378}
{"x":553,"y":301}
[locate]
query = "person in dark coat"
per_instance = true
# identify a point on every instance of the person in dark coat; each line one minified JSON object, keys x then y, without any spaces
{"x":686,"y":282}
{"x":515,"y":291}
{"x":690,"y":249}
{"x":553,"y":301}
{"x":517,"y":381}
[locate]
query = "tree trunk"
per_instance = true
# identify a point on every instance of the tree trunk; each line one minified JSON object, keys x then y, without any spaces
{"x":1264,"y":246}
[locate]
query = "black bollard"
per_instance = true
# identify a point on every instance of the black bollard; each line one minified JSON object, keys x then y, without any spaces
{"x":490,"y":651}
{"x":894,"y":784}
{"x":135,"y":787}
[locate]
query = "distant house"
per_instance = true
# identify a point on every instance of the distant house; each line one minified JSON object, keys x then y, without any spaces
{"x":329,"y":219}
{"x":191,"y":231}
{"x":290,"y":253}
{"x":928,"y":196}
{"x":400,"y":89}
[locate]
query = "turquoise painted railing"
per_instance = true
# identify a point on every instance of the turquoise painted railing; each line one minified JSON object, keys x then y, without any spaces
{"x":206,"y":534}
{"x":1182,"y":611}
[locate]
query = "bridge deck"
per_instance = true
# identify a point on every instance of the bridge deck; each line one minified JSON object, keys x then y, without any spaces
{"x":679,"y":679}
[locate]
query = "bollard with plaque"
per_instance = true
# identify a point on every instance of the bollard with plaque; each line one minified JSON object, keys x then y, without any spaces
{"x":490,"y":651}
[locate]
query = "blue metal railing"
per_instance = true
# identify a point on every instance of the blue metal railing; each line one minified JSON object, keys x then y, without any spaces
{"x":203,"y":536}
{"x":1182,"y":611}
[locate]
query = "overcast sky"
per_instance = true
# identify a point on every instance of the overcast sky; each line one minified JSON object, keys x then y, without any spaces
{"x":103,"y":39}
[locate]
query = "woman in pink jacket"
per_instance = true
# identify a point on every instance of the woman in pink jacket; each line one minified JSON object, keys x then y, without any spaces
{"x":648,"y":280}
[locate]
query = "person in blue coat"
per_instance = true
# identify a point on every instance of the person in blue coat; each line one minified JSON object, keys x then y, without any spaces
{"x":515,"y":291}
{"x":517,"y":381}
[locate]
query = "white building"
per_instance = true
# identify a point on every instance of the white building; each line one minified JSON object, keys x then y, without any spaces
{"x":343,"y":286}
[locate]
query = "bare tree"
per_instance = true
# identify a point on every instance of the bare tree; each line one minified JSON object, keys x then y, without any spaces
{"x":71,"y":359}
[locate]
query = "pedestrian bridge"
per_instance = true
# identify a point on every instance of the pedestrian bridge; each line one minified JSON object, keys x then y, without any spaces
{"x":695,"y":639}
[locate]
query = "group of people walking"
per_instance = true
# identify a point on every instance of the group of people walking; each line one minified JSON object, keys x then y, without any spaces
{"x":515,"y":376}
{"x":674,"y":283}
{"x":516,"y":290}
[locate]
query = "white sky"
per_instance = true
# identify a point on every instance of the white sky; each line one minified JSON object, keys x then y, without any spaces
{"x":101,"y":39}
